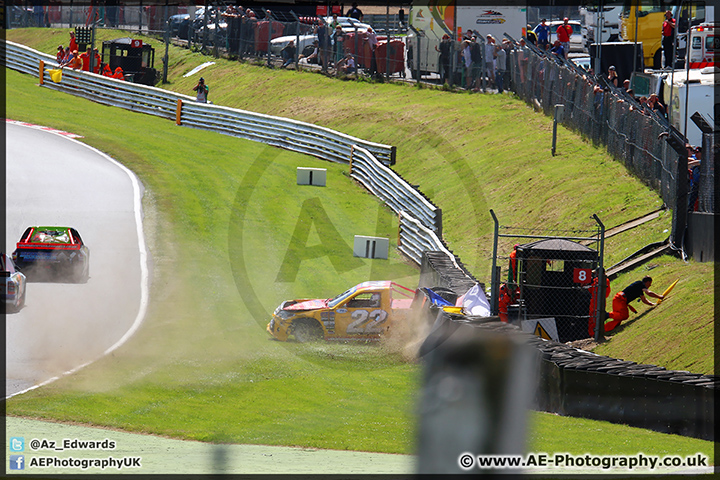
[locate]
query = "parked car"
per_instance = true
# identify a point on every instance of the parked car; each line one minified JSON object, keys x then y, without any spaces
{"x":348,"y":25}
{"x":576,"y":39}
{"x":53,"y":253}
{"x":582,"y":61}
{"x":13,"y":285}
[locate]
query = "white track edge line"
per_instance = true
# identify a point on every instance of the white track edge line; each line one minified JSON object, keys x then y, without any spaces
{"x":144,"y":273}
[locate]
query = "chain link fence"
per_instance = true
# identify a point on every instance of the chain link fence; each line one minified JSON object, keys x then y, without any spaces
{"x":605,"y":115}
{"x":547,"y":284}
{"x":259,"y":34}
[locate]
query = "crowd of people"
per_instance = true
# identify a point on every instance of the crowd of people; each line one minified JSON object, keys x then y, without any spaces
{"x":87,"y":61}
{"x":328,"y":51}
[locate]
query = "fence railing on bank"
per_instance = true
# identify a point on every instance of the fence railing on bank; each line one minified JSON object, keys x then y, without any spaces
{"x":607,"y":116}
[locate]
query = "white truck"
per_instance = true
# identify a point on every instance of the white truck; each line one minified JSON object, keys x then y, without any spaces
{"x":698,"y":91}
{"x":609,"y":20}
{"x":430,"y":20}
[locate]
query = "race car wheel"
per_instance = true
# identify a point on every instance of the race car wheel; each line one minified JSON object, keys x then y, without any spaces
{"x":306,"y":330}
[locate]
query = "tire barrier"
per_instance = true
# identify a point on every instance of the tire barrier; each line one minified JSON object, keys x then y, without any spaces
{"x":438,"y":270}
{"x":577,"y":383}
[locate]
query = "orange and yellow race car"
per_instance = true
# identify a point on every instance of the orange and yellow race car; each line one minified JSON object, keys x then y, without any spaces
{"x":364,"y":312}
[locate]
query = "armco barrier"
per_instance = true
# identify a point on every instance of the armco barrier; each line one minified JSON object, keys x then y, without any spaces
{"x":577,"y":383}
{"x":294,"y":135}
{"x":369,"y":161}
{"x":398,"y":194}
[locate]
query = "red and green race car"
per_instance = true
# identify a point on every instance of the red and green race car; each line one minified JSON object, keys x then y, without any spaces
{"x":53,"y":253}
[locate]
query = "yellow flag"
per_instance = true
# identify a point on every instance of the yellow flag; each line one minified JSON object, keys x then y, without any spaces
{"x":56,"y":75}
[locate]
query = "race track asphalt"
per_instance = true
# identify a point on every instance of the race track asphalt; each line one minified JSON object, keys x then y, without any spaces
{"x":54,"y":180}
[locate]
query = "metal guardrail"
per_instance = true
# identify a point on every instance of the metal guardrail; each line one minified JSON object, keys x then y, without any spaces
{"x":369,"y":161}
{"x":393,"y":190}
{"x":293,"y":135}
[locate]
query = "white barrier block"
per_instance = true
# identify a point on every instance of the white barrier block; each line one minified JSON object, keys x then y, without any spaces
{"x":371,"y":247}
{"x":311,"y":176}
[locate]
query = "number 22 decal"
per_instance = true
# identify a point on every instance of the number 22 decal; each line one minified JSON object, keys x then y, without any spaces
{"x":360,"y":317}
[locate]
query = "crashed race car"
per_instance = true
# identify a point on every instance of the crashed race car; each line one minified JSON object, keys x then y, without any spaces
{"x":13,"y":285}
{"x":364,"y":312}
{"x":53,"y":254}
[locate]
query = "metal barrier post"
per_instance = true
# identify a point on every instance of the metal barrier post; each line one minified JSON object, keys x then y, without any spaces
{"x":495,"y":280}
{"x":42,"y":70}
{"x":558,"y":117}
{"x":178,"y":112}
{"x":600,"y":294}
{"x":297,"y":41}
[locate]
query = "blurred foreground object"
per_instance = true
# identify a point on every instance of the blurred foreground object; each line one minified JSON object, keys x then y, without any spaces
{"x":479,"y":381}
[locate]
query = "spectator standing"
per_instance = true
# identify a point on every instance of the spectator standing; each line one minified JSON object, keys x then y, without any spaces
{"x":202,"y":91}
{"x":373,"y":42}
{"x":467,"y":62}
{"x":477,"y":62}
{"x":337,"y":44}
{"x":446,"y":47}
{"x":694,"y":160}
{"x":323,"y":44}
{"x":489,"y":59}
{"x":39,"y":13}
{"x":668,"y":38}
{"x":334,"y":23}
{"x":501,"y":67}
{"x":85,"y":57}
{"x":355,"y":12}
{"x":563,"y":35}
{"x":543,"y":34}
{"x":232,"y":18}
{"x":530,"y":35}
{"x":73,"y":44}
